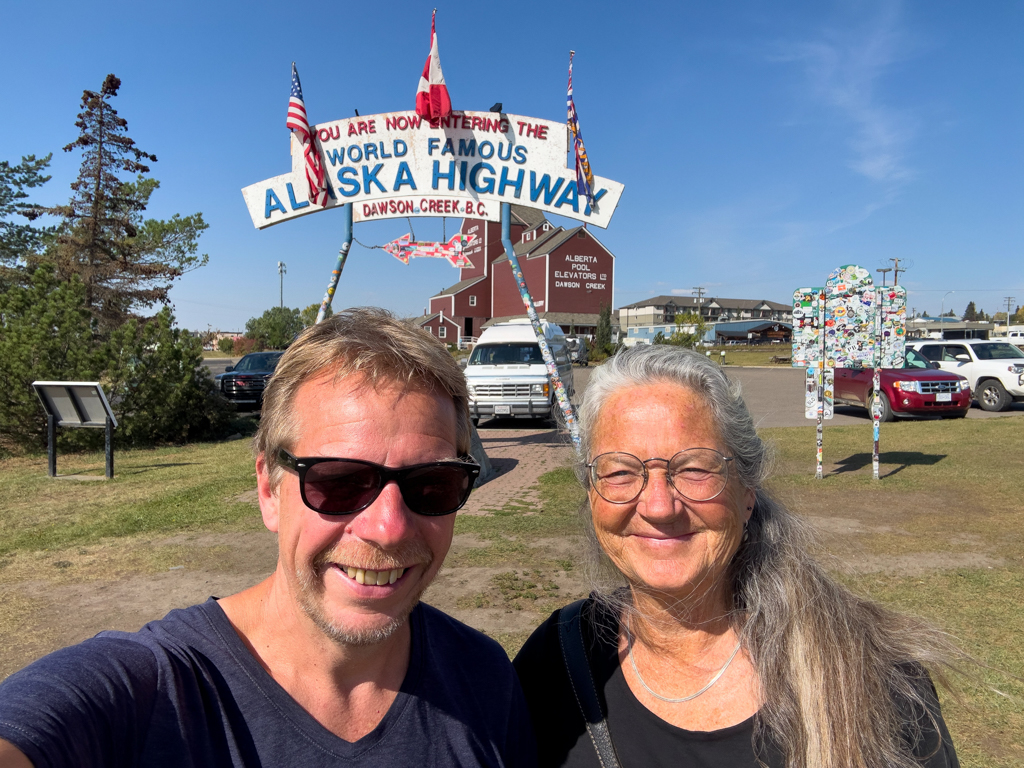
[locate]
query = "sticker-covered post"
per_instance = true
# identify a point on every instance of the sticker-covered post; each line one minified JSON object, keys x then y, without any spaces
{"x":890,"y":346}
{"x":809,"y":353}
{"x":850,"y":321}
{"x":876,"y":387}
{"x":346,"y":245}
{"x":561,"y":395}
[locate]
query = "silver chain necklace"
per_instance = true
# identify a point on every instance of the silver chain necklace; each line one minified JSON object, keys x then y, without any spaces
{"x":715,"y":679}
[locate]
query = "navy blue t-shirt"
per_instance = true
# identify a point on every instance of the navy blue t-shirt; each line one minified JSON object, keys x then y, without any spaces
{"x":185,"y":691}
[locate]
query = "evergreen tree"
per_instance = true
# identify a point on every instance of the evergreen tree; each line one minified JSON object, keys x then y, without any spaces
{"x":603,"y":333}
{"x":45,"y":335}
{"x":18,"y":240}
{"x":158,"y":387}
{"x":126,"y":263}
{"x":971,"y":313}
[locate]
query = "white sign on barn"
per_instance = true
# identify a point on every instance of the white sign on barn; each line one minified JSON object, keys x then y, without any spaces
{"x":396,"y":165}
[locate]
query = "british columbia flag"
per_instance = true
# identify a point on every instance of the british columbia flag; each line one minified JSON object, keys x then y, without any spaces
{"x":298,"y":122}
{"x":584,"y":176}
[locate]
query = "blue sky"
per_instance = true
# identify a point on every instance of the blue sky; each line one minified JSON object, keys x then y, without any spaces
{"x":760,"y":144}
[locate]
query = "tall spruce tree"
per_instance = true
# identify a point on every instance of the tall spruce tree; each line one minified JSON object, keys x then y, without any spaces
{"x":19,"y":240}
{"x":126,"y":263}
{"x":971,"y":312}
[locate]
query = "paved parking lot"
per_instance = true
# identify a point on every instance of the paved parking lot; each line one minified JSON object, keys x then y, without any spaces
{"x":524,"y":449}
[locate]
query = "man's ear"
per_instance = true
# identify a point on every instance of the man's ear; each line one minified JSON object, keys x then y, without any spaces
{"x":270,"y":505}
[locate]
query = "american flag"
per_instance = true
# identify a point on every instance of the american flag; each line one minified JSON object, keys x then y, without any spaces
{"x":584,"y":176}
{"x":297,"y":122}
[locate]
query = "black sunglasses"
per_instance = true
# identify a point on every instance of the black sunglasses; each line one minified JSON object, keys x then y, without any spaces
{"x":343,"y":486}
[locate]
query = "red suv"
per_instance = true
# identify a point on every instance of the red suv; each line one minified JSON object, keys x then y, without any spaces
{"x":916,"y":389}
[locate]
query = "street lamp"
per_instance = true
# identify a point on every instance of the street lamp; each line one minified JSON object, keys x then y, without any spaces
{"x":943,"y":310}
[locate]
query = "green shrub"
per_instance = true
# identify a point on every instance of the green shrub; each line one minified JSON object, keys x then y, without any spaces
{"x":226,"y":345}
{"x":158,"y":388}
{"x":46,"y":334}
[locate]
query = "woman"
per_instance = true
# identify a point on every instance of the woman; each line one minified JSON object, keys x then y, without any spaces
{"x":726,"y":644}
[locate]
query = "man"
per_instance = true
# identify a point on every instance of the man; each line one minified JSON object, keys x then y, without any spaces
{"x":332,"y":660}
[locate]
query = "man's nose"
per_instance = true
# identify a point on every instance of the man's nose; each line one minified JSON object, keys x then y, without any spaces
{"x":387,"y":522}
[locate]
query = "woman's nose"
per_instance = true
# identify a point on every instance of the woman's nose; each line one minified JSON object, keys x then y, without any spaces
{"x":659,"y":499}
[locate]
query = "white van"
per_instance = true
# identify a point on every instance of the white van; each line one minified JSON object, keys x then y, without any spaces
{"x":507,"y":376}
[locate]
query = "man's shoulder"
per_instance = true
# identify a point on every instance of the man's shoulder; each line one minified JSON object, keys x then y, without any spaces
{"x":445,"y":630}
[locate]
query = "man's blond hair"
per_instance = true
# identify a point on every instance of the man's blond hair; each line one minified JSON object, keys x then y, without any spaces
{"x":372,"y":343}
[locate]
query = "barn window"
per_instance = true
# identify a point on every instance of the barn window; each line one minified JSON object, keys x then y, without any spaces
{"x":442,"y":332}
{"x":472,"y":301}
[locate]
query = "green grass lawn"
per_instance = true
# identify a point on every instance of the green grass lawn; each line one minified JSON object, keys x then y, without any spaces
{"x":941,"y":533}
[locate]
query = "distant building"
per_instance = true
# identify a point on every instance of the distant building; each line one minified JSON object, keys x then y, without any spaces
{"x":569,"y":272}
{"x":947,"y":328}
{"x":662,"y":310}
{"x":741,"y":332}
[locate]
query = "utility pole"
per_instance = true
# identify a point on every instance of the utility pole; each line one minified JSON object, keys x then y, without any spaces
{"x":700,"y":299}
{"x":1009,"y":311}
{"x":897,"y":270}
{"x":884,"y":270}
{"x":282,"y":270}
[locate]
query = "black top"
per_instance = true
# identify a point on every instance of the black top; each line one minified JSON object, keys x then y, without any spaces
{"x":641,"y":738}
{"x":185,"y":691}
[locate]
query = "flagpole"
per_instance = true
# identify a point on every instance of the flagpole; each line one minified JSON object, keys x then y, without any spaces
{"x":346,"y":244}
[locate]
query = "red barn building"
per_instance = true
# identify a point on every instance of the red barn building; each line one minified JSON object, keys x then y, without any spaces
{"x":569,"y":272}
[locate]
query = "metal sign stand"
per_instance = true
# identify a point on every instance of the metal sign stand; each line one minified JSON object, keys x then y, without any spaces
{"x":75,"y":404}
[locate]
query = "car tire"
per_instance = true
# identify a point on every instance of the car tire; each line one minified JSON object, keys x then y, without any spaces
{"x":992,"y":396}
{"x":887,"y":414}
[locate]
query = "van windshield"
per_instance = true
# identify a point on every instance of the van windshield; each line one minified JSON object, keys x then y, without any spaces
{"x":505,"y":354}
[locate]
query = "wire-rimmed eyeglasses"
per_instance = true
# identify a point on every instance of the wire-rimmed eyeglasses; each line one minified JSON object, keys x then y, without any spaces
{"x":697,"y":474}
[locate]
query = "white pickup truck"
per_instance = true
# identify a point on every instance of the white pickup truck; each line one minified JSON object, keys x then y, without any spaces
{"x":995,"y":369}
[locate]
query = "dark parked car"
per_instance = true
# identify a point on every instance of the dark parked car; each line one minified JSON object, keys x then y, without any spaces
{"x":916,"y":389}
{"x":244,"y":383}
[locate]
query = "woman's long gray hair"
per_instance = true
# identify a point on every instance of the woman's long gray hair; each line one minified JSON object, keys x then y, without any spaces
{"x":842,"y":679}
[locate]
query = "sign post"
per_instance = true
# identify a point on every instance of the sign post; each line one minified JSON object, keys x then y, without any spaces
{"x":75,"y":404}
{"x":809,"y":352}
{"x":531,"y":312}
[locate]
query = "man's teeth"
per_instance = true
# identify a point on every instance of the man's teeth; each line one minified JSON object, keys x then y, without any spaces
{"x":380,"y":578}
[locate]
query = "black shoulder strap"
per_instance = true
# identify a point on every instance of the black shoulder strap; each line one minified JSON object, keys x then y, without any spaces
{"x":570,"y":637}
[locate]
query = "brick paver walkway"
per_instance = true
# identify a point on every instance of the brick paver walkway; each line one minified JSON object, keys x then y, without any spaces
{"x":520,"y":456}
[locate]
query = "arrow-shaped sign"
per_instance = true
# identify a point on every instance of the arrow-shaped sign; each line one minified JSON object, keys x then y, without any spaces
{"x":405,"y":248}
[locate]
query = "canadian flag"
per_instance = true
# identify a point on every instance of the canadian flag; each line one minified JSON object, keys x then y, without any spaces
{"x":432,"y":101}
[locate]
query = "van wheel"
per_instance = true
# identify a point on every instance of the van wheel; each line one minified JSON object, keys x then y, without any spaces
{"x":886,"y":408}
{"x":992,"y":396}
